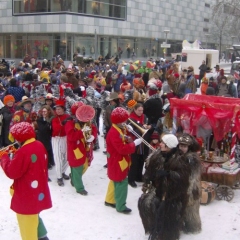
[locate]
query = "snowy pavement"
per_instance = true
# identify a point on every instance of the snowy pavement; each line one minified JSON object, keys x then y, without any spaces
{"x":77,"y":217}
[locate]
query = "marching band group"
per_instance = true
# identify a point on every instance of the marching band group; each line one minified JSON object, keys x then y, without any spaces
{"x":57,"y":124}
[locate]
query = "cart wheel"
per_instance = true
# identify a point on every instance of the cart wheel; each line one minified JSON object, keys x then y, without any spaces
{"x":224,"y":192}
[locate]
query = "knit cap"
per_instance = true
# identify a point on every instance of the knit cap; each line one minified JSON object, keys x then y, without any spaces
{"x":131,"y":103}
{"x":170,"y":140}
{"x":8,"y":98}
{"x":155,"y":135}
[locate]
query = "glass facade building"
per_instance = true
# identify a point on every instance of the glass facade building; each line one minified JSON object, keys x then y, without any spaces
{"x":43,"y":28}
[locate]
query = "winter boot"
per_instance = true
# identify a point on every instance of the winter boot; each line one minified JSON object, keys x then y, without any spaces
{"x":60,"y":182}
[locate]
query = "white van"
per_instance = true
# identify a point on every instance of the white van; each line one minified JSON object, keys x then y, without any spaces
{"x":194,"y":57}
{"x":235,"y":67}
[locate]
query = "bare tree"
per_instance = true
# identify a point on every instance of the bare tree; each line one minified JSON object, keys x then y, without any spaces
{"x":220,"y":26}
{"x":231,"y":10}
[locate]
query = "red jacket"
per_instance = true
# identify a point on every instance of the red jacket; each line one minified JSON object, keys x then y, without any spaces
{"x":29,"y":170}
{"x":76,"y":145}
{"x":138,"y":119}
{"x":57,"y":126}
{"x":118,"y":154}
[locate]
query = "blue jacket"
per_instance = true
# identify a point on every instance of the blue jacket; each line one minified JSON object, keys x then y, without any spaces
{"x":118,"y":82}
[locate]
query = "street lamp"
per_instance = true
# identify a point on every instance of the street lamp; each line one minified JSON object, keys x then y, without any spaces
{"x":207,"y":35}
{"x":166,"y":33}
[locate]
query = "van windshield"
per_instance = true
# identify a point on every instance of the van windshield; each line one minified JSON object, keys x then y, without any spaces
{"x":236,"y":66}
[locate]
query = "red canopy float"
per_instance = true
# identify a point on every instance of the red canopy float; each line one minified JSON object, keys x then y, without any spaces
{"x":217,"y":113}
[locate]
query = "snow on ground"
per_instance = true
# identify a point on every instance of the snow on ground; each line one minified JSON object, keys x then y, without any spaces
{"x":77,"y":217}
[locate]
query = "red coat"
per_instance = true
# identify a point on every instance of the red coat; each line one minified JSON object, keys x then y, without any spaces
{"x":58,"y":129}
{"x":138,"y":119}
{"x":76,"y":145}
{"x":118,"y":154}
{"x":29,"y":170}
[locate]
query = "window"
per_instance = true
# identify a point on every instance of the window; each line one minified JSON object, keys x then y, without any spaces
{"x":205,"y":29}
{"x":206,"y":20}
{"x":207,"y":5}
{"x":106,"y":8}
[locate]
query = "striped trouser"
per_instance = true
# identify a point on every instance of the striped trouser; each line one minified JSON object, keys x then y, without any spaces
{"x":59,"y":146}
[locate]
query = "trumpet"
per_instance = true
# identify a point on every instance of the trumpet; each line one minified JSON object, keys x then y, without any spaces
{"x":138,"y":136}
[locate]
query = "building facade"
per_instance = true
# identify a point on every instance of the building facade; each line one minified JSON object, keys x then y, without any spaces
{"x":43,"y":28}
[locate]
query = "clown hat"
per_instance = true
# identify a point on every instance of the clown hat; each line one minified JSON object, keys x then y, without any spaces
{"x":85,"y":113}
{"x":119,"y":115}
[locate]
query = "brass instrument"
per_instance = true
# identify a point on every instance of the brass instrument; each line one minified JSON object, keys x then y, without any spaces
{"x":87,"y":134}
{"x":138,"y":136}
{"x":142,"y":130}
{"x":8,"y":149}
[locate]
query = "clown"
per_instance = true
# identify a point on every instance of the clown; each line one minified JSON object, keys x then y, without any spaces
{"x":118,"y":157}
{"x":80,"y":135}
{"x":30,"y":191}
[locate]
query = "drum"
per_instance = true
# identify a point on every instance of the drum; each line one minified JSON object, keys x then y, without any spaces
{"x":208,"y":193}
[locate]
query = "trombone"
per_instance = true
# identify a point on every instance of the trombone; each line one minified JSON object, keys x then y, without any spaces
{"x":138,"y":136}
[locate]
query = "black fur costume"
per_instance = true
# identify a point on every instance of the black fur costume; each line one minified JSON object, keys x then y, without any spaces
{"x":191,"y":217}
{"x":162,"y":214}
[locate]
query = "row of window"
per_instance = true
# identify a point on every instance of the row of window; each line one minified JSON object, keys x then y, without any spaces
{"x":206,"y":19}
{"x":43,"y":46}
{"x":105,"y":8}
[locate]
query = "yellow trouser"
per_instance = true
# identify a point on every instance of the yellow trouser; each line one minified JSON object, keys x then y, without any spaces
{"x":28,"y":225}
{"x":117,"y":194}
{"x":110,"y":193}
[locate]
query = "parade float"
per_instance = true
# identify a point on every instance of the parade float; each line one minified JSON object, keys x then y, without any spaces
{"x":216,"y":121}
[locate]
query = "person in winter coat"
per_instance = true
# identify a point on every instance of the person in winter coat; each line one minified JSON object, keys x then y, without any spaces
{"x":165,"y":197}
{"x":80,"y":135}
{"x":59,"y":142}
{"x":204,"y":85}
{"x":30,"y":191}
{"x":138,"y":157}
{"x":114,"y":102}
{"x":203,"y":69}
{"x":119,"y":149}
{"x":191,"y":83}
{"x":44,"y":132}
{"x":119,"y":80}
{"x":25,"y":114}
{"x":153,"y":106}
{"x":14,"y":90}
{"x":191,"y":218}
{"x":224,"y":89}
{"x":7,"y":112}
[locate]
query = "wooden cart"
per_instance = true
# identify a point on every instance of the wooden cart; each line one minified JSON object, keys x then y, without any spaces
{"x":226,"y":180}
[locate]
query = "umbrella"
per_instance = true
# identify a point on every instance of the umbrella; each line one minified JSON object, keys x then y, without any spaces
{"x":141,"y":70}
{"x":120,"y":61}
{"x":131,"y":67}
{"x":150,"y":64}
{"x":138,"y":63}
